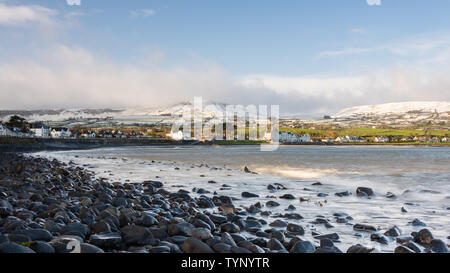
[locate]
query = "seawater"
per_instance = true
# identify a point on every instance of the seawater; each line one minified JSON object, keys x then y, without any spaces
{"x":418,"y":176}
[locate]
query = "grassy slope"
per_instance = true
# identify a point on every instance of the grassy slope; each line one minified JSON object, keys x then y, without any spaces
{"x":366,"y":132}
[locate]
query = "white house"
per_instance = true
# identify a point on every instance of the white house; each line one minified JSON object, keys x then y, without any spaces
{"x":89,"y":135}
{"x":60,"y":133}
{"x":445,"y":139}
{"x":293,"y":138}
{"x":10,"y":131}
{"x":381,"y":139}
{"x":5,"y":131}
{"x":341,"y":140}
{"x":435,"y":140}
{"x":267,"y":136}
{"x":176,"y":136}
{"x":40,"y":130}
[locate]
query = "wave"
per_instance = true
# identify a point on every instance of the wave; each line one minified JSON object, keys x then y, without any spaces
{"x":301,"y":173}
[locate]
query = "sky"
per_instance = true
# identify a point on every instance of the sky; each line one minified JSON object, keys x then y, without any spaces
{"x":306,"y":56}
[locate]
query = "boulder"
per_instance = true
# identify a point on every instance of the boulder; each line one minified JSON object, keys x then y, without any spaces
{"x":332,"y":236}
{"x":192,"y":245}
{"x":403,"y":250}
{"x":288,"y":197}
{"x":78,"y":229}
{"x":295,"y":229}
{"x":303,"y":247}
{"x":249,"y":195}
{"x":90,"y":249}
{"x":423,"y":237}
{"x":184,"y":229}
{"x":10,"y":247}
{"x":107,"y":240}
{"x":360,"y":249}
{"x":438,"y":246}
{"x":42,"y":247}
{"x":275,"y":244}
{"x":201,"y":233}
{"x":230,"y":228}
{"x":137,"y":235}
{"x":36,"y":234}
{"x":6,"y":208}
{"x":363,"y":227}
{"x":417,"y":223}
{"x":393,"y":232}
{"x":364,"y":192}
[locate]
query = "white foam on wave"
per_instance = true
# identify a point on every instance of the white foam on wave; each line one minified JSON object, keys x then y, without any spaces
{"x":300,"y":173}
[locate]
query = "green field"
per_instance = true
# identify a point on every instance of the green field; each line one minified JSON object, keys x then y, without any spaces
{"x":366,"y":132}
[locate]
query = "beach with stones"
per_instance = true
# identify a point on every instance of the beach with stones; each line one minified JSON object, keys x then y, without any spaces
{"x":51,"y":206}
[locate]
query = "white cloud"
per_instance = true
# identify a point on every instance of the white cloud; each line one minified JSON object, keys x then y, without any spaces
{"x":17,"y":15}
{"x":313,"y":86}
{"x":373,"y":2}
{"x":73,"y":77}
{"x":350,"y":51}
{"x":64,"y":76}
{"x":73,"y":2}
{"x":143,"y":13}
{"x":358,"y":30}
{"x":419,"y":45}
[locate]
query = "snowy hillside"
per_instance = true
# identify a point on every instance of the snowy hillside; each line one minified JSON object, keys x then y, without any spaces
{"x":210,"y":110}
{"x":397,"y":108}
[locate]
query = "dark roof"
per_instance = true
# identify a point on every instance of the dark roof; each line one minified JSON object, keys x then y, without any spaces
{"x":38,"y":126}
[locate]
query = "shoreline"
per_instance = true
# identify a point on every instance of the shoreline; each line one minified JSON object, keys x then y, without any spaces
{"x":63,"y":203}
{"x":38,"y":144}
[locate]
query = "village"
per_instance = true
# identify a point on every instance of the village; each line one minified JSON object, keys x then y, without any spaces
{"x":17,"y":127}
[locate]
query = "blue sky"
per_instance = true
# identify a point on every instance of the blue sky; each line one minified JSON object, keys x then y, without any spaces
{"x":308,"y":56}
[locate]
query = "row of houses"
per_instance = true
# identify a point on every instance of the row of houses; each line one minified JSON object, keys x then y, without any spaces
{"x":11,"y":131}
{"x":189,"y":135}
{"x":34,"y":131}
{"x":354,"y":139}
{"x":43,"y":131}
{"x":348,"y":139}
{"x":288,"y":137}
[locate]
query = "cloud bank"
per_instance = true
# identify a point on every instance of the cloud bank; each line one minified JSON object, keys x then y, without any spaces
{"x":20,"y":15}
{"x":70,"y":76}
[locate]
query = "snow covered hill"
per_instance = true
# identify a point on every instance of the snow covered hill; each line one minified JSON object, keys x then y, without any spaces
{"x":405,"y":114}
{"x":397,"y":108}
{"x":210,"y":110}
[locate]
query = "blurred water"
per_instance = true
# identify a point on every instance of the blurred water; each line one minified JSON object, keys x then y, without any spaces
{"x":418,"y":176}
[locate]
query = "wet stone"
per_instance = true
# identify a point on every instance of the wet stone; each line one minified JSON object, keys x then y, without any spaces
{"x":364,"y":192}
{"x":192,"y":245}
{"x":423,"y":237}
{"x":393,"y":232}
{"x":417,"y":223}
{"x":360,"y":249}
{"x":249,"y":195}
{"x":376,"y":237}
{"x":303,"y":247}
{"x":342,"y":194}
{"x":272,"y":204}
{"x":107,"y":240}
{"x":332,"y":236}
{"x":278,"y":223}
{"x":363,"y":227}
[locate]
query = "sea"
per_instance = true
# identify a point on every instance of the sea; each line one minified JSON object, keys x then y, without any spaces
{"x":416,"y":179}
